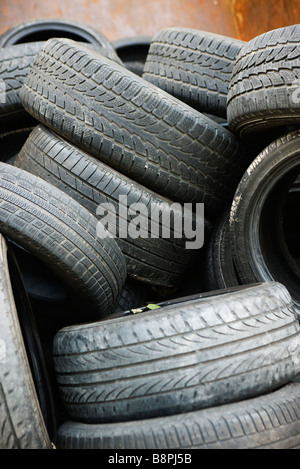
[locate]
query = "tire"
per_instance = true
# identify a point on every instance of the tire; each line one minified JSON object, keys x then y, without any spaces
{"x":215,"y":349}
{"x":15,"y":63}
{"x":133,"y":126}
{"x":22,"y":422}
{"x":195,"y":66}
{"x":133,"y":52}
{"x":61,"y":233}
{"x":157,"y":261}
{"x":259,"y":246}
{"x":220,"y":268}
{"x":43,"y":29}
{"x":263,"y":92}
{"x":270,"y":421}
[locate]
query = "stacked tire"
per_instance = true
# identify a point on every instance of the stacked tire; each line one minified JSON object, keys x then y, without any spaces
{"x":141,"y":357}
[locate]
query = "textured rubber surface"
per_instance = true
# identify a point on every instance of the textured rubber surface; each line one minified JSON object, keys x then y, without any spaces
{"x":158,"y":261}
{"x":195,"y":66}
{"x":265,"y":422}
{"x":132,"y":125}
{"x":221,"y":272}
{"x":15,"y":63}
{"x":62,"y":233}
{"x":22,"y":424}
{"x":195,"y":354}
{"x":259,"y":247}
{"x":264,"y":87}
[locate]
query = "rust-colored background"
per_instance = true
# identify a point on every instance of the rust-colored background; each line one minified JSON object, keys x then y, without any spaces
{"x":243,"y":19}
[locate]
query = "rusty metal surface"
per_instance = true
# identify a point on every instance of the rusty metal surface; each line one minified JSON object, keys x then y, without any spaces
{"x":117,"y":19}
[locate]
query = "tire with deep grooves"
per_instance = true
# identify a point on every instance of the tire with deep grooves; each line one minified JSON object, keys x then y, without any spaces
{"x":195,"y":66}
{"x":270,"y":421}
{"x":15,"y":63}
{"x":158,"y":261}
{"x":133,"y":126}
{"x":63,"y":234}
{"x":219,"y":348}
{"x":264,"y":87}
{"x":259,"y":247}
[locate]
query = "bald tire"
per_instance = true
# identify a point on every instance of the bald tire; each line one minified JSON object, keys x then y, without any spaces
{"x":270,"y":421}
{"x":218,"y":348}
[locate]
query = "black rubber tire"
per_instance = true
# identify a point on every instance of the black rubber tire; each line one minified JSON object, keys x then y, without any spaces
{"x":219,"y":348}
{"x":41,"y":30}
{"x":22,"y":421}
{"x":15,"y":63}
{"x":220,"y":269}
{"x":133,"y":52}
{"x":195,"y":66}
{"x":259,"y":248}
{"x":133,"y":126}
{"x":60,"y":232}
{"x":265,"y":422}
{"x":157,"y":261}
{"x":264,"y":83}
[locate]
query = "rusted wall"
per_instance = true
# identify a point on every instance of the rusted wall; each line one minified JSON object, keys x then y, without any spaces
{"x":116,"y":19}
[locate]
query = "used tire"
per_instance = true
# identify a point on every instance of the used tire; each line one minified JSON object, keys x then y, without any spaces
{"x":15,"y":63}
{"x":133,"y":126}
{"x":215,"y":349}
{"x":22,"y":421}
{"x":270,"y":421}
{"x":259,"y":246}
{"x":265,"y":83}
{"x":221,"y":272}
{"x":159,"y":261}
{"x":60,"y":232}
{"x":195,"y":66}
{"x":43,"y":29}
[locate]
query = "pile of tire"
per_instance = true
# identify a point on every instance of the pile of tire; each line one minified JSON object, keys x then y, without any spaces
{"x":140,"y":342}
